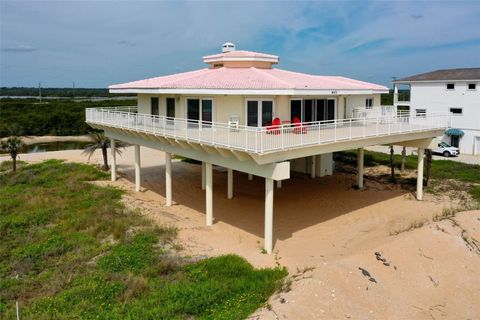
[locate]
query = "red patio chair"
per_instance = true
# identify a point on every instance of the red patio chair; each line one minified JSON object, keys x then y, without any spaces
{"x":274,"y":127}
{"x":298,"y":127}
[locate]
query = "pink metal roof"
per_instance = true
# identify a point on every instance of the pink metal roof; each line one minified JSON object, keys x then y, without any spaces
{"x":249,"y":79}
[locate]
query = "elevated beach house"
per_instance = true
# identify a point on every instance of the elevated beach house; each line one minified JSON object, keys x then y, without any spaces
{"x":454,"y":91}
{"x":243,"y":114}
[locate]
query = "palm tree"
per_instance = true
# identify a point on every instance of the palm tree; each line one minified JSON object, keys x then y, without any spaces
{"x":100,"y":141}
{"x":404,"y":155}
{"x":13,"y":145}
{"x":392,"y":164}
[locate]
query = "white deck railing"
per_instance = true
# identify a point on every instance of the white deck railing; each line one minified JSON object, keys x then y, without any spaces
{"x":382,"y":111}
{"x":264,"y":139}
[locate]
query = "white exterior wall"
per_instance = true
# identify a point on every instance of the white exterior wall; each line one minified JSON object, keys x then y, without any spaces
{"x":226,"y":106}
{"x":358,"y":101}
{"x":435,"y":97}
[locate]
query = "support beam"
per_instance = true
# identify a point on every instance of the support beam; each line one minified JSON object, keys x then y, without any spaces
{"x":229,"y":183}
{"x":312,"y":167}
{"x":322,"y":148}
{"x":268,"y":215}
{"x":168,"y":179}
{"x":274,"y":170}
{"x":360,"y":157}
{"x":421,"y":153}
{"x":137,"y":168}
{"x":279,"y":184}
{"x":113,"y":160}
{"x":203,"y":175}
{"x":250,"y":176}
{"x":209,"y":193}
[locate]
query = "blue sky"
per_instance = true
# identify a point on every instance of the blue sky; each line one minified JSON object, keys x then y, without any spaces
{"x":97,"y":43}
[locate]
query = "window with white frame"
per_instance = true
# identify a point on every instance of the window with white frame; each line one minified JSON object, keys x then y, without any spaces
{"x":369,"y":103}
{"x":472,"y":86}
{"x":421,"y":113}
{"x":259,"y":112}
{"x":200,"y":111}
{"x":456,"y":111}
{"x":450,"y":86}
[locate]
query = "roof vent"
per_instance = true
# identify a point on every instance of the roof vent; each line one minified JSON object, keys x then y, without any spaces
{"x":227,"y":47}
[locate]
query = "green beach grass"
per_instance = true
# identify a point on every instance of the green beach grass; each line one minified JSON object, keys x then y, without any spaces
{"x":71,"y":250}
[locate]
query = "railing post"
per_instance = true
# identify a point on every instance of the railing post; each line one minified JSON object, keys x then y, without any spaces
{"x":319,"y":133}
{"x":246,"y":138}
{"x":350,"y":131}
{"x":301,"y":133}
{"x":258,"y":135}
{"x":282,"y":132}
{"x":335,"y":131}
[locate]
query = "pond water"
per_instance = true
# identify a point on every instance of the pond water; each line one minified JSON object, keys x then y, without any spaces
{"x":55,"y":146}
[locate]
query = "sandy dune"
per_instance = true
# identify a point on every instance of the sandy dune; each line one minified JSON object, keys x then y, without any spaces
{"x":324,"y":232}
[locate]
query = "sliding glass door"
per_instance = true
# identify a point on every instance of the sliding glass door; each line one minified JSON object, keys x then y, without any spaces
{"x":207,"y":113}
{"x":259,"y":113}
{"x":295,"y":110}
{"x":310,"y":110}
{"x":325,"y":110}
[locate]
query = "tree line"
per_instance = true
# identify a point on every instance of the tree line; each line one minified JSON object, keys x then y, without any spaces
{"x":56,"y":92}
{"x":22,"y":117}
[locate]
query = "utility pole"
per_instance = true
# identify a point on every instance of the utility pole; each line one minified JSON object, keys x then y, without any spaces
{"x":393,"y":91}
{"x":40,"y":91}
{"x":73,"y":89}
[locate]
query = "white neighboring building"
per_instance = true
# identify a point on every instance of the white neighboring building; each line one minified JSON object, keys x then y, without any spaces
{"x":453,"y":90}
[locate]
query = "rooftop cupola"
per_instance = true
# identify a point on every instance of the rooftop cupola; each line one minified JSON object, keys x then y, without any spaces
{"x":227,"y":47}
{"x":232,"y":58}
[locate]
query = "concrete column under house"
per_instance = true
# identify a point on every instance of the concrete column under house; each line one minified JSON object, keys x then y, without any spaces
{"x":421,"y":153}
{"x":360,"y":167}
{"x":168,"y":179}
{"x":137,"y":167}
{"x":268,"y":237}
{"x":209,"y":193}
{"x":313,"y":167}
{"x":203,"y":175}
{"x":229,"y":183}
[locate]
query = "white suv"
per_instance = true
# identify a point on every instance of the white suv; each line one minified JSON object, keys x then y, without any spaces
{"x":446,"y":150}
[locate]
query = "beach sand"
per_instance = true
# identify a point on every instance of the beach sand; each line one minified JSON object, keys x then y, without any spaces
{"x":324,"y":231}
